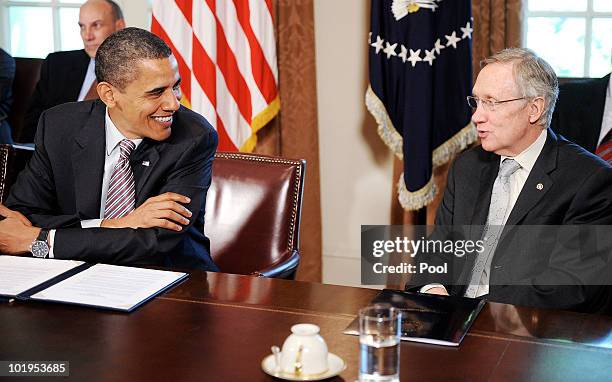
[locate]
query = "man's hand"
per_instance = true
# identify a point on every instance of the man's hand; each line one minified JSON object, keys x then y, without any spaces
{"x":437,"y":290}
{"x":163,"y":211}
{"x":15,"y":236}
{"x":8,"y":213}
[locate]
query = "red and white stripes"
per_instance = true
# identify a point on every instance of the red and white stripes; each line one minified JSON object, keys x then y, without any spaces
{"x":226,"y":52}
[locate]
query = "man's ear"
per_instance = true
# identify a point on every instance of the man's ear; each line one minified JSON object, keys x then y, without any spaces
{"x":119,"y":24}
{"x":106,"y":92}
{"x":536,"y":109}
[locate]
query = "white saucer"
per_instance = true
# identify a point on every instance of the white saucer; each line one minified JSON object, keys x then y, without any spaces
{"x":335,"y":363}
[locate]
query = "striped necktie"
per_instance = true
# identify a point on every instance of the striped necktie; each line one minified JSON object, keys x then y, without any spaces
{"x":604,"y":150}
{"x":121,"y":193}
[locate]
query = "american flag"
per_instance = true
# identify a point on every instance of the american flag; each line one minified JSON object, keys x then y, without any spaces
{"x":226,"y":52}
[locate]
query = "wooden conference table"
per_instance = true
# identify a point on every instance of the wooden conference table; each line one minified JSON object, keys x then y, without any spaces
{"x":218,"y":327}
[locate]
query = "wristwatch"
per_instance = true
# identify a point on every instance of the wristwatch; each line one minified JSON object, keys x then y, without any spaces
{"x":39,"y":247}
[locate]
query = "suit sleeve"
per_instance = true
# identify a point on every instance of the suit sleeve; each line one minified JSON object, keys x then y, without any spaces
{"x":38,"y":103}
{"x":191,"y":176}
{"x":33,"y":194}
{"x":578,"y":270}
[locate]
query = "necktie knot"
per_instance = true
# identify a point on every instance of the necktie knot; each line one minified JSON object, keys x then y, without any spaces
{"x":507,"y":168}
{"x":126,"y":147}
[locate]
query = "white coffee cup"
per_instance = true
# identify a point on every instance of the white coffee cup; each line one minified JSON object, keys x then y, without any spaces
{"x":304,"y":352}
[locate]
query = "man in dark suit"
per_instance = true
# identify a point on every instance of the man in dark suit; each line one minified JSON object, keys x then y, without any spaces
{"x":69,"y":76}
{"x":7,"y":74}
{"x":122,"y":179}
{"x":579,"y":112}
{"x":524,"y":174}
{"x":584,"y":115}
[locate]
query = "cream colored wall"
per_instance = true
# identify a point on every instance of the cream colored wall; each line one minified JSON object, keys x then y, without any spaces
{"x":356,"y":168}
{"x":137,"y":13}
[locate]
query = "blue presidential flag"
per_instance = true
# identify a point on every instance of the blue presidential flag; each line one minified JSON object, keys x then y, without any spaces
{"x":420,"y":75}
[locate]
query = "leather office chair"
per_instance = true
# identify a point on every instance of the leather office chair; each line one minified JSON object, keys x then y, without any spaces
{"x":13,"y":159}
{"x":27,"y":73}
{"x":253,"y":211}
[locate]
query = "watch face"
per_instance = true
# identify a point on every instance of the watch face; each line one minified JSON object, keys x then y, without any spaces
{"x":40,"y":249}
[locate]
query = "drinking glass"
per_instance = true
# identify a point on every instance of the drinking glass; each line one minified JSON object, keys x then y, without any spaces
{"x":379,"y":343}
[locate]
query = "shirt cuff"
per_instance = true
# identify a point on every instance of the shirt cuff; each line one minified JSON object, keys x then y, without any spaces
{"x":51,"y":239}
{"x":91,"y":223}
{"x":427,"y":287}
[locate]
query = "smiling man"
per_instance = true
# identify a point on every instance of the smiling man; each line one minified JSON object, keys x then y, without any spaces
{"x":123,"y":179}
{"x":69,"y":76}
{"x":524,"y":174}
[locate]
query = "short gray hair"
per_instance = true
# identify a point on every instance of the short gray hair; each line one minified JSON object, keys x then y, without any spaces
{"x":534,"y":77}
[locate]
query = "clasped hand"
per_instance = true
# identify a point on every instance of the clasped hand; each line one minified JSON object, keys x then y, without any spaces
{"x":163,"y":211}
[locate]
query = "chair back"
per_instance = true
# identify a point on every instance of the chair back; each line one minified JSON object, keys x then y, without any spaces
{"x":253,"y":212}
{"x":27,"y":73}
{"x":13,"y":159}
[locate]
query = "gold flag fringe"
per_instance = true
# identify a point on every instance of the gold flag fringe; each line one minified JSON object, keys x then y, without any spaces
{"x":442,"y":154}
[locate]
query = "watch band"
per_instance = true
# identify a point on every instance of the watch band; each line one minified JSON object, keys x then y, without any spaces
{"x":42,"y":236}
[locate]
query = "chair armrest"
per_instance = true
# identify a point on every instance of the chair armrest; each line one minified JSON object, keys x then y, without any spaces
{"x":284,"y":269}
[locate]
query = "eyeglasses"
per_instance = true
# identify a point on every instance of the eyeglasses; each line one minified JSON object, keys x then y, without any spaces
{"x":487,"y":104}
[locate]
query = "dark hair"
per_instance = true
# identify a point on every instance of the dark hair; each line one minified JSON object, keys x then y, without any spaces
{"x":117,"y":12}
{"x":118,"y":56}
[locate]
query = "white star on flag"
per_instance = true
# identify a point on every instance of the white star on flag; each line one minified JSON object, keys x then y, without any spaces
{"x":429,"y":56}
{"x":390,"y":50}
{"x":438,"y":47}
{"x":415,"y":57}
{"x":452,"y":39}
{"x":378,"y":44}
{"x":467,"y":31}
{"x":403,"y":53}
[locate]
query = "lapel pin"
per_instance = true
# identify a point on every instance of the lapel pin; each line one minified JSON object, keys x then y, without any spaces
{"x":540,"y":186}
{"x":145,"y":163}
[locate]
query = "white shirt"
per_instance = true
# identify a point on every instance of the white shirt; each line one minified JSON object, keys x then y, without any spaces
{"x":606,"y":123}
{"x":527,"y":160}
{"x":517,"y":180}
{"x":90,"y":77}
{"x":112,"y":151}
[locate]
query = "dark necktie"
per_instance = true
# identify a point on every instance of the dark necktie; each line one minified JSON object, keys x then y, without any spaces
{"x":121,"y":193}
{"x":92,"y":93}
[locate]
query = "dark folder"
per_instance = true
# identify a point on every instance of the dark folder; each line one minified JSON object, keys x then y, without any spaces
{"x":440,"y":320}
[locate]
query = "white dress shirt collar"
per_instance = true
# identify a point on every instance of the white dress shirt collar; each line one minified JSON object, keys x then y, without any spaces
{"x":114,"y":136}
{"x":606,"y":123}
{"x":529,"y":156}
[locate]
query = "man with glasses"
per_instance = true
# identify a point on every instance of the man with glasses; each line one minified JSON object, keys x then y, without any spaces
{"x":524,"y":174}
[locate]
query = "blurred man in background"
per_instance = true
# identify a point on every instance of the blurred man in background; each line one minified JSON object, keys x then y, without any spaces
{"x":584,"y":115}
{"x":69,"y":76}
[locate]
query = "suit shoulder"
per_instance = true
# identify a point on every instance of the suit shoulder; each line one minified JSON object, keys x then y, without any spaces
{"x":574,"y":156}
{"x":190,"y":125}
{"x":472,"y":156}
{"x":66,"y":56}
{"x":71,"y":108}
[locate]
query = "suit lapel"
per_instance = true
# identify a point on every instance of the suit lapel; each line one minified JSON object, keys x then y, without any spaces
{"x":143,"y":163}
{"x":79,"y":70}
{"x":488,"y":173}
{"x":88,"y":163}
{"x":538,"y":183}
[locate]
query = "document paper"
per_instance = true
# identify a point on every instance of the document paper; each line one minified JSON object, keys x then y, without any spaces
{"x":110,"y":286}
{"x":18,"y":274}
